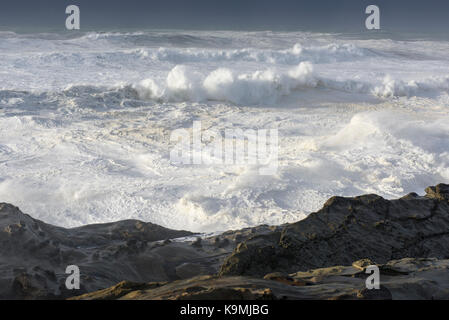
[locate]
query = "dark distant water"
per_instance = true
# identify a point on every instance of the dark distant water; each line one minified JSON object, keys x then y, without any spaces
{"x":429,"y":17}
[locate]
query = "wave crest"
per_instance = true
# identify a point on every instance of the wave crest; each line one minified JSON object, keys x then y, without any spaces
{"x":268,"y":86}
{"x":185,"y":84}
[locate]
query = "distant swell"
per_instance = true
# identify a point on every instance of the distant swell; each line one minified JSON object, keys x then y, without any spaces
{"x":316,"y":54}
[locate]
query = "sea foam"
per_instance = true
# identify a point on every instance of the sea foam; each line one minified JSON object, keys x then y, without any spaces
{"x":86,"y":119}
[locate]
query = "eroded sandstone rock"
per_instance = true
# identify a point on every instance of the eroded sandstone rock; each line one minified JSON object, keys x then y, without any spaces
{"x":425,"y":279}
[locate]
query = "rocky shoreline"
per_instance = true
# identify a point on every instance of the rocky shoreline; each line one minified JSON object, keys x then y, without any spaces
{"x":321,"y":257}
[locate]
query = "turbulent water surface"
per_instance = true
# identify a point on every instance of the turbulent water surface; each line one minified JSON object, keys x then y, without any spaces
{"x":85,"y":123}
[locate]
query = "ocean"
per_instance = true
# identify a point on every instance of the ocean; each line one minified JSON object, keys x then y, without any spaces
{"x":86,"y":119}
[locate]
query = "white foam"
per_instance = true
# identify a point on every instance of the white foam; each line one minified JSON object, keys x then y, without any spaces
{"x":268,"y":86}
{"x":185,"y":84}
{"x":85,"y":123}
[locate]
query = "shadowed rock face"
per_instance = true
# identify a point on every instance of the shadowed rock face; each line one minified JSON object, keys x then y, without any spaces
{"x":34,"y":255}
{"x":349,"y":229}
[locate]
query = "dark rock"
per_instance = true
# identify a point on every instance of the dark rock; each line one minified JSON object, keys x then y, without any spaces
{"x":105,"y":253}
{"x":122,"y":289}
{"x":426,"y":279}
{"x":348,"y":229}
{"x":34,"y":255}
{"x":189,"y":270}
{"x":375,"y":294}
{"x":407,"y":238}
{"x":439,"y":192}
{"x":197,"y":243}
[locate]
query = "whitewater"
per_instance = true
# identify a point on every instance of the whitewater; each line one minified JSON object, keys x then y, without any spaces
{"x":86,"y":118}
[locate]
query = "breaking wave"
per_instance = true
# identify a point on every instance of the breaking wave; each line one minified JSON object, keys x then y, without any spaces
{"x":265,"y":87}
